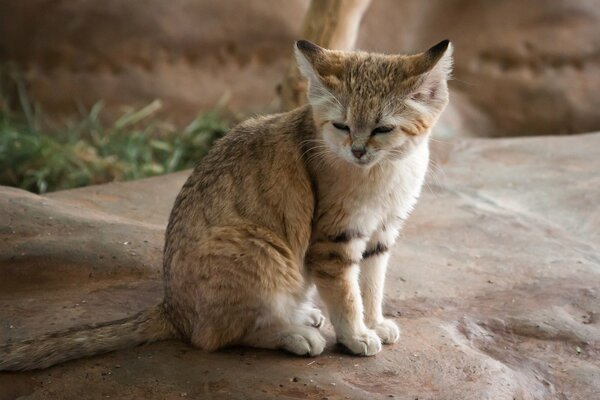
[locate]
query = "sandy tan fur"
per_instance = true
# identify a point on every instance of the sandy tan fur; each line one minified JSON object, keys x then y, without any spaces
{"x":283,"y":203}
{"x":276,"y":207}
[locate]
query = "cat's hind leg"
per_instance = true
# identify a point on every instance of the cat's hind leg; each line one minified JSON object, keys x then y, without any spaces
{"x":298,"y":339}
{"x":307,"y":314}
{"x":281,"y":321}
{"x":288,"y":324}
{"x":243,"y":286}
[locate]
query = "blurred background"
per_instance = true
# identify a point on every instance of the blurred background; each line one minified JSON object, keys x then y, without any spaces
{"x":94,"y":91}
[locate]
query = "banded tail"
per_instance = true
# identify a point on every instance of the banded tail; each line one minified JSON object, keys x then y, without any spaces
{"x":150,"y":325}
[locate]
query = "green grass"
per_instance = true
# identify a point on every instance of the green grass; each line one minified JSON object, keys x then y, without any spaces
{"x":88,"y":151}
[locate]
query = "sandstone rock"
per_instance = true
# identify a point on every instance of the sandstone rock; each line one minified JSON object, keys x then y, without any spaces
{"x":495,"y":282}
{"x":523,"y":67}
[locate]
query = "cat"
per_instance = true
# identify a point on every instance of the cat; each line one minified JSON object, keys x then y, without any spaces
{"x":314,"y":197}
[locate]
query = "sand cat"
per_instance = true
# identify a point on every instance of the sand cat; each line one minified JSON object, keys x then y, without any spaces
{"x":314,"y":197}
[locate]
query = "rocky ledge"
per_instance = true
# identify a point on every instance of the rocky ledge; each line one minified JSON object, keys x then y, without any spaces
{"x":495,"y":282}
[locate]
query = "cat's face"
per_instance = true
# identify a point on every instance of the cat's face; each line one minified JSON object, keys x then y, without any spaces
{"x":371,"y":107}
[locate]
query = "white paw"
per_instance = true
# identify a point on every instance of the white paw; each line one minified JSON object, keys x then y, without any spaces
{"x":304,"y":341}
{"x":388,"y":331}
{"x":366,"y":343}
{"x":314,"y":317}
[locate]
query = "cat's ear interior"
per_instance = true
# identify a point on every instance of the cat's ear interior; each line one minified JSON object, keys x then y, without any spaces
{"x":310,"y":58}
{"x":433,"y":67}
{"x":307,"y":55}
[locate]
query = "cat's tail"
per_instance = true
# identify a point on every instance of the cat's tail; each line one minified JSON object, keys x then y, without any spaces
{"x":83,"y":341}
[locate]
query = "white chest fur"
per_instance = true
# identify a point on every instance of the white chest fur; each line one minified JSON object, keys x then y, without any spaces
{"x":364,"y":201}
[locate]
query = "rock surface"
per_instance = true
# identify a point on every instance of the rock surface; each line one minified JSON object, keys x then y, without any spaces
{"x":495,"y":282}
{"x":522,"y":66}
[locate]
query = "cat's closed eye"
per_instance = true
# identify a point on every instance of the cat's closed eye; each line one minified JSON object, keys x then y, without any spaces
{"x":341,"y":127}
{"x":381,"y":130}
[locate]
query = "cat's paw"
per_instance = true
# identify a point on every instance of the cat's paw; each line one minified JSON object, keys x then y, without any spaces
{"x":388,"y":331}
{"x":306,"y":341}
{"x":365,"y":343}
{"x":314,"y":317}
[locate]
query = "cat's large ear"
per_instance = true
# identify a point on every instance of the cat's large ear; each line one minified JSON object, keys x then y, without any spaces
{"x":437,"y":59}
{"x":433,"y":69}
{"x":307,"y":56}
{"x":310,"y":58}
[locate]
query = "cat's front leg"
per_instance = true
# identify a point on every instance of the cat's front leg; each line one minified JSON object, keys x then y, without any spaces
{"x":372,"y":279}
{"x":334,"y":267}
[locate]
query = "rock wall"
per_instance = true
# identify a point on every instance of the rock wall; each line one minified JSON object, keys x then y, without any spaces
{"x":188,"y":53}
{"x":523,"y":67}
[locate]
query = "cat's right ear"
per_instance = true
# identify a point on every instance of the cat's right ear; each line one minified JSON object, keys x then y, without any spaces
{"x":309,"y":56}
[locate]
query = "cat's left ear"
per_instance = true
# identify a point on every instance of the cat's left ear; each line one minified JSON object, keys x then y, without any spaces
{"x":437,"y":60}
{"x":434,"y":68}
{"x":440,"y":58}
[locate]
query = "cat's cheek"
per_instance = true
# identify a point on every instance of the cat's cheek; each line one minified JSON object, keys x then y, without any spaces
{"x":328,"y":137}
{"x":378,"y":156}
{"x":398,"y":141}
{"x":336,"y":143}
{"x":346,"y":154}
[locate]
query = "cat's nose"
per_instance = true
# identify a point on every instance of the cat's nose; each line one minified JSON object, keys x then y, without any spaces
{"x":359,"y":152}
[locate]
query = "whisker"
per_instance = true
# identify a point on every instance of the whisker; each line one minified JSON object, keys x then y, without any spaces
{"x":440,"y":140}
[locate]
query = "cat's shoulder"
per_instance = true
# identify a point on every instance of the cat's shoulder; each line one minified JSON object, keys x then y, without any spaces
{"x":286,"y":121}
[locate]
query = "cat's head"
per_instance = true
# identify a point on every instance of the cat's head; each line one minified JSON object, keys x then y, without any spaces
{"x":370,"y":107}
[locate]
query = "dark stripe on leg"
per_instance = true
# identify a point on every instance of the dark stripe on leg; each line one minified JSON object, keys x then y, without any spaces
{"x":341,"y":258}
{"x":379,"y":249}
{"x":331,"y":257}
{"x":345,"y":236}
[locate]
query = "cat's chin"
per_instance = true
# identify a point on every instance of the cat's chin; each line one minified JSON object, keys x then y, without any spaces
{"x":366,"y":164}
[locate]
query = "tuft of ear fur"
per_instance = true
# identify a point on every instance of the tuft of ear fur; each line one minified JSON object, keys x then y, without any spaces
{"x":437,"y":59}
{"x":306,"y":52}
{"x":434,"y":68}
{"x":308,"y":55}
{"x":441,"y":56}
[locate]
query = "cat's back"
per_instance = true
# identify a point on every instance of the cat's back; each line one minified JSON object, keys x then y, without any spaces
{"x":254,"y":175}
